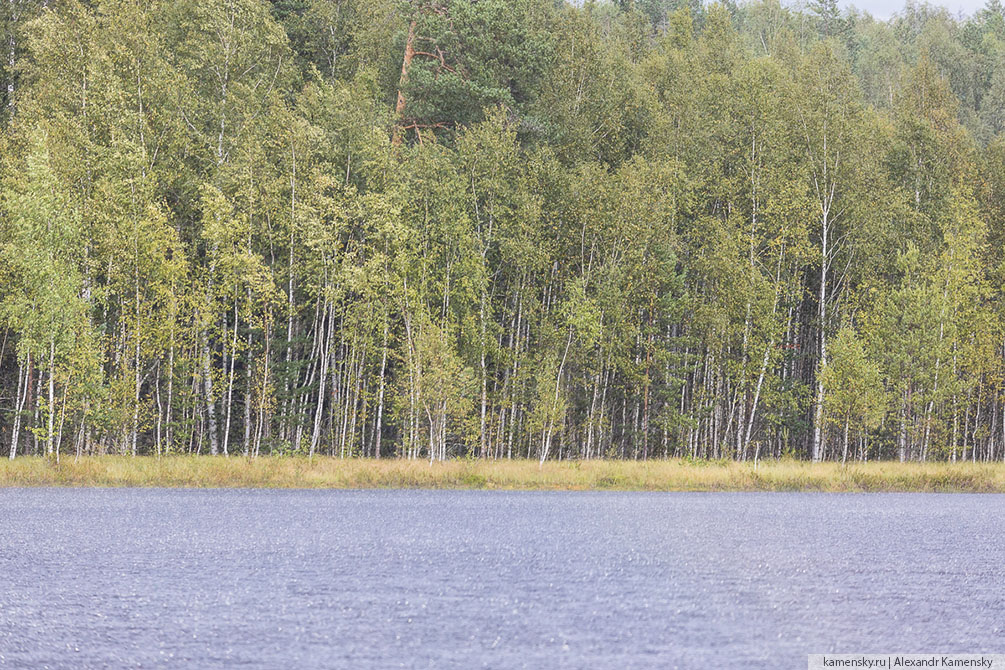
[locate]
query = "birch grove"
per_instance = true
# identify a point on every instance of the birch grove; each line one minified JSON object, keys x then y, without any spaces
{"x":431,"y":229}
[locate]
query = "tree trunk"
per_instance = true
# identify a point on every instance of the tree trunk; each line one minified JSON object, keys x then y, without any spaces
{"x":844,"y":456}
{"x":207,"y":384}
{"x":380,"y":397}
{"x":546,"y":443}
{"x":52,"y":396}
{"x":818,"y":410}
{"x":169,"y":430}
{"x":406,"y":64}
{"x":22,"y":396}
{"x":230,"y":385}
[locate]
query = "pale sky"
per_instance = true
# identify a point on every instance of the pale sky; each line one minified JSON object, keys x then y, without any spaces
{"x":884,"y":9}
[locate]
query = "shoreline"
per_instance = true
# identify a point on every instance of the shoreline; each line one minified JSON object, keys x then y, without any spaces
{"x":595,"y":475}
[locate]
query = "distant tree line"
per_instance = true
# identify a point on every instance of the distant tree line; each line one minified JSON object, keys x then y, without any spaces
{"x":501,"y":229}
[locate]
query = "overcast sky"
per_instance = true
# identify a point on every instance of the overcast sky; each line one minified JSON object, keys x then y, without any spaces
{"x":884,"y":9}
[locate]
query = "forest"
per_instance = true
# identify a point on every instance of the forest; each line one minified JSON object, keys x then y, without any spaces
{"x":494,"y":229}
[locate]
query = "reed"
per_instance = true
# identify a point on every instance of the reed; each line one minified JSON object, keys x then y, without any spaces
{"x":236,"y":472}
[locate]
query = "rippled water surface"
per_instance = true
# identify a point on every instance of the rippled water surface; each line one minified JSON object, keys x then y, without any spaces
{"x":382,"y":579}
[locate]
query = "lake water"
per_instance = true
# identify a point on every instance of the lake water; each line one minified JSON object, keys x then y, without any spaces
{"x":132,"y":578}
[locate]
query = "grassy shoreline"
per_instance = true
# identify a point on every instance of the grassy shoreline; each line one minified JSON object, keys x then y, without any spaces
{"x":237,"y":472}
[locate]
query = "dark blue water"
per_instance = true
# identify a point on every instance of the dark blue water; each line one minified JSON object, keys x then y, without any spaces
{"x":415,"y":579}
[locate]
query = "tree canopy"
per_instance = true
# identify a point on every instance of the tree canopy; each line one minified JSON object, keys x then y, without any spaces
{"x":502,"y":229}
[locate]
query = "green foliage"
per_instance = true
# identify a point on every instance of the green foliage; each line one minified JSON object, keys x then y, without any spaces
{"x":855,"y":392}
{"x":495,"y":229}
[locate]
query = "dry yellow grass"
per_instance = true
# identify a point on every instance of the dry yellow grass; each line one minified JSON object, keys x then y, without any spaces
{"x":236,"y":472}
